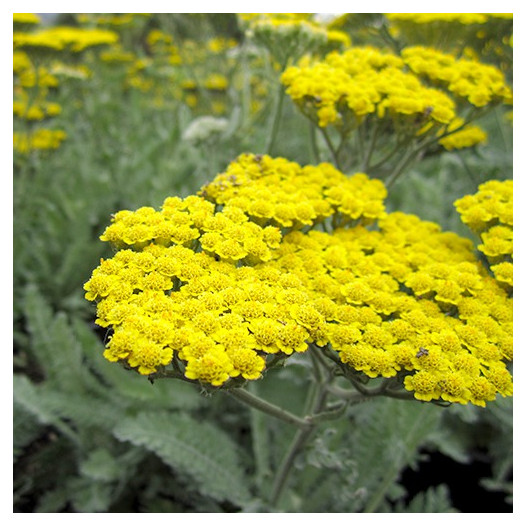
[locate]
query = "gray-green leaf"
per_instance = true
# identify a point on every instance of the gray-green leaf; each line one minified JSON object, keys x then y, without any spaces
{"x":196,"y":448}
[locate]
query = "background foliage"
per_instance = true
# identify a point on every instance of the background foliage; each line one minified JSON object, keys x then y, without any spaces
{"x":91,"y":437}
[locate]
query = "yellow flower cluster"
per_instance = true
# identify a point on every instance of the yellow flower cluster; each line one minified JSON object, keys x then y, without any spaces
{"x":41,"y":139}
{"x":21,"y":62}
{"x":116,"y":53}
{"x":281,"y":193}
{"x":465,"y":137}
{"x":489,"y":213}
{"x":362,"y":81}
{"x":221,"y":44}
{"x":27,"y":75}
{"x":427,"y":18}
{"x":64,"y":38}
{"x":163,"y":297}
{"x":206,"y":90}
{"x":162,"y":44}
{"x":227,"y":234}
{"x":25,"y":19}
{"x":36,"y":111}
{"x":479,"y":84}
{"x":210,"y":285}
{"x":216,"y":82}
{"x":407,"y":298}
{"x":31,"y":83}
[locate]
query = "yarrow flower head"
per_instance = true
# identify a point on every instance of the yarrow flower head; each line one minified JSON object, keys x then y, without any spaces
{"x":63,"y":38}
{"x":489,"y":213}
{"x":217,"y":286}
{"x":41,"y":139}
{"x":25,"y":21}
{"x":470,"y":80}
{"x":345,"y":87}
{"x":465,"y":137}
{"x":278,"y":193}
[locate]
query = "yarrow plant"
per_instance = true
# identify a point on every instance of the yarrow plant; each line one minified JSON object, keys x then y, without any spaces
{"x":398,"y":106}
{"x":34,"y":49}
{"x":294,"y":279}
{"x":273,"y":259}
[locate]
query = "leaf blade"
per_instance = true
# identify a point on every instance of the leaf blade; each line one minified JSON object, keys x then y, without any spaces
{"x":197,"y":448}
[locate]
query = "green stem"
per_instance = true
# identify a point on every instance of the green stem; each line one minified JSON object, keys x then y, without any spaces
{"x":404,"y":162}
{"x":360,"y":134}
{"x":331,"y":147}
{"x":361,"y":394}
{"x":275,"y":121}
{"x":419,"y":149}
{"x":343,"y":141}
{"x":474,"y":114}
{"x":300,"y":439}
{"x":350,"y":396}
{"x":466,"y":167}
{"x":318,"y":363}
{"x":388,"y":39}
{"x":271,"y":409}
{"x":314,"y":145}
{"x":372,"y":144}
{"x":260,"y":441}
{"x":399,"y":145}
{"x":278,"y":110}
{"x":246,"y":96}
{"x":505,"y":141}
{"x":333,"y":413}
{"x":400,"y":395}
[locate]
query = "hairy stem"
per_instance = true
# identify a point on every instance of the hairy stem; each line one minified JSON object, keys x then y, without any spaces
{"x":372,"y":143}
{"x":314,"y":145}
{"x":277,"y":111}
{"x":334,"y":153}
{"x":404,"y":162}
{"x":271,"y":409}
{"x":275,"y":121}
{"x":260,"y":440}
{"x":300,"y":439}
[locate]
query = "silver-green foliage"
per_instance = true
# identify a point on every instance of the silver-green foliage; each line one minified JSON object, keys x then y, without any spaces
{"x":198,"y":448}
{"x":92,"y":413}
{"x":358,"y":462}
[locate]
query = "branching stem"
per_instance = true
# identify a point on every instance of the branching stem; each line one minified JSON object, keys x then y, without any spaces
{"x":332,"y":149}
{"x":300,"y":439}
{"x":271,"y":409}
{"x":276,"y":118}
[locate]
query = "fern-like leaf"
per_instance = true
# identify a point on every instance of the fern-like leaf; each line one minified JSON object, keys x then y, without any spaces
{"x":56,"y":408}
{"x":52,"y":342}
{"x":27,"y":396}
{"x":25,"y":430}
{"x":197,"y":448}
{"x":386,"y":439}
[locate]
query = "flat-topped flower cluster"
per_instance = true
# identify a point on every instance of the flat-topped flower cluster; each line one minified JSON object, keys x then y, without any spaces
{"x":422,"y":90}
{"x":63,"y":39}
{"x":489,"y":213}
{"x":271,"y":258}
